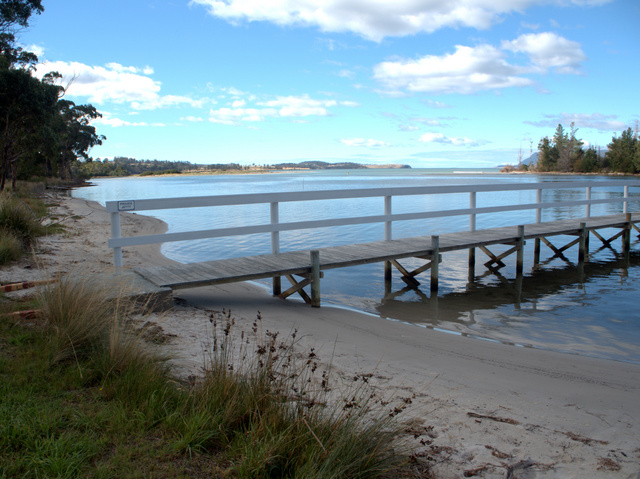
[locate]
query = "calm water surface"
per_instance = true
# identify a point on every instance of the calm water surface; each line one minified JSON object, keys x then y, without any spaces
{"x":593,"y":313}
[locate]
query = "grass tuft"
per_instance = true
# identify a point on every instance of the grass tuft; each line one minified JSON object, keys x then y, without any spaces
{"x":18,"y":218}
{"x":86,"y":397}
{"x":11,"y":247}
{"x":80,"y":313}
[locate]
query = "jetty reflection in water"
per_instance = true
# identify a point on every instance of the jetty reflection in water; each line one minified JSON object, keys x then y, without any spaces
{"x":553,"y":306}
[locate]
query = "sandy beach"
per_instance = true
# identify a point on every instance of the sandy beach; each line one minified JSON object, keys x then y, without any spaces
{"x":479,"y":408}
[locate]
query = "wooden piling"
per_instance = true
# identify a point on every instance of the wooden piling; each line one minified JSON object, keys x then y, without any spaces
{"x":435,"y":263}
{"x":626,"y":237}
{"x":520,"y":252}
{"x":472,"y":265}
{"x":536,"y":253}
{"x":315,"y":278}
{"x":582,"y":248}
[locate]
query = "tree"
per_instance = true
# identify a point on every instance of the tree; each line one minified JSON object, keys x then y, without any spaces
{"x":17,"y":13}
{"x":38,"y":128}
{"x":588,"y":163}
{"x":26,"y":104}
{"x":622,"y":151}
{"x":75,"y":135}
{"x":569,"y":147}
{"x":547,"y":155}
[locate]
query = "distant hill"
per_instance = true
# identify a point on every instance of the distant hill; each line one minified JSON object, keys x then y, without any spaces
{"x":323,"y":165}
{"x":532,"y":160}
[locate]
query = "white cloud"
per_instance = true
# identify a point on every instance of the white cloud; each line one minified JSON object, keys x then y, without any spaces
{"x":300,"y":106}
{"x":346,"y":74}
{"x":468,"y":70}
{"x":38,"y":50}
{"x":596,"y":121}
{"x":114,"y":83}
{"x":280,"y":107}
{"x":437,"y":104}
{"x":484,"y":67}
{"x":440,"y":138}
{"x":549,"y":51}
{"x":362,"y":142}
{"x":376,"y":19}
{"x":192,"y":119}
{"x":117,"y":122}
{"x":232,"y":116}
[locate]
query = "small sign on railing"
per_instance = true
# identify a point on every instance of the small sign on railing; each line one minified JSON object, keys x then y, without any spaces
{"x":126,"y":205}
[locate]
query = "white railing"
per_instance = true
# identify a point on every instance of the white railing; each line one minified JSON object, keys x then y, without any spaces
{"x":117,"y":242}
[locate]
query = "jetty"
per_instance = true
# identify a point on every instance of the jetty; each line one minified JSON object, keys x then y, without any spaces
{"x":304,"y":268}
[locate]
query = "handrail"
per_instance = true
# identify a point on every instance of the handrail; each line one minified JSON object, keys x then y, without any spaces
{"x":258,"y":198}
{"x":117,"y":242}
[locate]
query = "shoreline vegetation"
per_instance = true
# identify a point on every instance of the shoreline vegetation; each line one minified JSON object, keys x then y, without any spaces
{"x":86,"y":388}
{"x":471,"y":408}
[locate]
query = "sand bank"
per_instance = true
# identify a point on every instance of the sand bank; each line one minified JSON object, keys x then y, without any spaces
{"x":479,"y":408}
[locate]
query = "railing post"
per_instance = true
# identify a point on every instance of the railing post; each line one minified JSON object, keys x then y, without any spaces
{"x":387,"y":224}
{"x":472,"y":227}
{"x":626,"y":199}
{"x":387,"y":237}
{"x":536,"y":247}
{"x":275,"y":245}
{"x":116,"y":233}
{"x":588,"y":208}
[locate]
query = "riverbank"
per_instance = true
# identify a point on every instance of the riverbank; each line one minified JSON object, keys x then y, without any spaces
{"x":478,"y":408}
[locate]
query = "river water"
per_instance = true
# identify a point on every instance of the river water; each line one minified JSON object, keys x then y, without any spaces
{"x":594,"y":314}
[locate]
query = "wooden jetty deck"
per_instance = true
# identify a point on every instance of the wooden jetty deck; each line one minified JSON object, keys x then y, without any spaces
{"x":308,"y":265}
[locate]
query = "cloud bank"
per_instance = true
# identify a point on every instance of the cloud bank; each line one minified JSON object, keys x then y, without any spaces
{"x":483,"y":67}
{"x":377,"y":19}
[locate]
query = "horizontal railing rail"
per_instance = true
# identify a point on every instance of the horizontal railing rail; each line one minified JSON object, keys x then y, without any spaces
{"x":117,"y":242}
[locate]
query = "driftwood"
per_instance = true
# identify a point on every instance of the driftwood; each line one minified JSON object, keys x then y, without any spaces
{"x":493,"y":418}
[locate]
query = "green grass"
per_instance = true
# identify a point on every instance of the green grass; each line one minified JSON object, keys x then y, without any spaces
{"x":82,"y":395}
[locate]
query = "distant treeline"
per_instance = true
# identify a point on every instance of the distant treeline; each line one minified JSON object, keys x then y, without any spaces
{"x":565,"y":153}
{"x":318,"y":165}
{"x":123,"y":166}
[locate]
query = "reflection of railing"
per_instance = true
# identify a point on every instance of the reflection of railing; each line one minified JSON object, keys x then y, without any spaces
{"x":117,"y":242}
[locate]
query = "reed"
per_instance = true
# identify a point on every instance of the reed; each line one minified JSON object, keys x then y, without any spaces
{"x":85,"y":396}
{"x":277,"y":413}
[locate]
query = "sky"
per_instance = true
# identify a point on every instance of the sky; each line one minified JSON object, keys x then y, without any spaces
{"x":428,"y":83}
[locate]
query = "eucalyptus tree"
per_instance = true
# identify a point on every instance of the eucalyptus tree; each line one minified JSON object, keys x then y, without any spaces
{"x":26,"y":105}
{"x":40,"y":131}
{"x":75,"y":135}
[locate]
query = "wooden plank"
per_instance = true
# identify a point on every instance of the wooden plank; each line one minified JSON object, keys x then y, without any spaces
{"x":298,"y":262}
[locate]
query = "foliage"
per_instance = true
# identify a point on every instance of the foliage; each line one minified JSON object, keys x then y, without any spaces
{"x":41,"y":134}
{"x":622,"y":152}
{"x":565,"y":153}
{"x":108,"y":402}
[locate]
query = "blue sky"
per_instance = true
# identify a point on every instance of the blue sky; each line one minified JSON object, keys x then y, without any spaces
{"x":430,"y":83}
